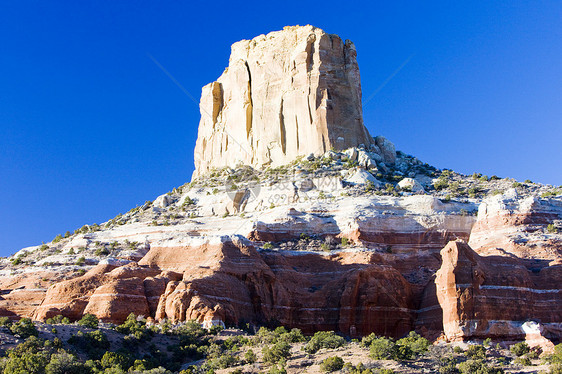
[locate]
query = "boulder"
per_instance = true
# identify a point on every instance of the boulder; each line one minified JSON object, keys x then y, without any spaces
{"x":163,"y":201}
{"x":361,"y":176}
{"x":387,"y":149}
{"x":410,"y":184}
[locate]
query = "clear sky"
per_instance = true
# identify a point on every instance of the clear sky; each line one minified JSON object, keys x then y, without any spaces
{"x":90,"y":127}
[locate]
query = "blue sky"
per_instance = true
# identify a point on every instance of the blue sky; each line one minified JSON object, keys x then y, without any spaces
{"x":90,"y":127}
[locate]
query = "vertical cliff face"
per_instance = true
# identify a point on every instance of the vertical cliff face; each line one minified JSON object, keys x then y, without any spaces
{"x":288,"y":93}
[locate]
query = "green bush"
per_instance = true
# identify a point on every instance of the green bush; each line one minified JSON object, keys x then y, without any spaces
{"x":382,"y":349}
{"x":95,"y":343}
{"x":525,"y":361}
{"x":223,"y":361}
{"x":115,"y":360}
{"x":28,"y":362}
{"x":65,"y":363}
{"x":551,"y":229}
{"x":440,"y":184}
{"x":556,"y":356}
{"x":89,"y":320}
{"x":277,"y":369}
{"x":331,"y":364}
{"x":415,"y":345}
{"x":5,"y":322}
{"x":24,"y":328}
{"x":250,"y":357}
{"x":323,"y":339}
{"x":406,"y":348}
{"x":447,"y":365}
{"x":278,"y":351}
{"x":367,"y":340}
{"x":478,"y":367}
{"x":58,"y":319}
{"x":519,"y":349}
{"x":476,"y":352}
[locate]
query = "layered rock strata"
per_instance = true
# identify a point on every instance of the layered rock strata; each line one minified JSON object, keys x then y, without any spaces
{"x":496,"y":296}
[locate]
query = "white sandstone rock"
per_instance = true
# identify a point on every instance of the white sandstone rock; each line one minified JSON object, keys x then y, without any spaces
{"x":288,"y":93}
{"x":411,"y":185}
{"x":363,"y":177}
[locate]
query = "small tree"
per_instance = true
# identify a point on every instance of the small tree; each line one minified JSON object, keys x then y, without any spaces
{"x":331,"y":364}
{"x":519,"y":349}
{"x":273,"y":354}
{"x":250,"y":357}
{"x":24,"y":328}
{"x":89,"y":320}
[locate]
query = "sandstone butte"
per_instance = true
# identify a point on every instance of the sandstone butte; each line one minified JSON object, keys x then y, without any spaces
{"x":317,"y":245}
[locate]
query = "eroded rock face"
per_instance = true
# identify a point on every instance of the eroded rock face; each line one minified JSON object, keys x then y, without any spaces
{"x":288,"y":93}
{"x":497,"y":297}
{"x":232,"y":282}
{"x":516,"y":225}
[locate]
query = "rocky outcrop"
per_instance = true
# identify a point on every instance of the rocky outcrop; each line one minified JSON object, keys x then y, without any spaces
{"x":497,"y":297}
{"x":288,"y":93}
{"x":510,"y":224}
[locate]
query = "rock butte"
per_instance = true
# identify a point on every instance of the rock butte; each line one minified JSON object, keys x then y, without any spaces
{"x":415,"y":261}
{"x":284,"y":94}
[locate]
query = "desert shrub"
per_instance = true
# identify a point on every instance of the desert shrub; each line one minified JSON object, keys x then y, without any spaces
{"x":367,"y":340}
{"x":28,"y":362}
{"x":24,"y":328}
{"x":476,"y":352}
{"x":41,"y":357}
{"x":519,"y":349}
{"x":116,"y":360}
{"x":250,"y":357}
{"x":223,"y":361}
{"x":101,"y":252}
{"x":555,"y":369}
{"x":94,"y":343}
{"x":323,"y":339}
{"x":525,"y":361}
{"x":415,"y":345}
{"x":277,"y":369}
{"x":65,"y":363}
{"x":268,"y":245}
{"x":89,"y":320}
{"x":440,"y":184}
{"x":458,"y":350}
{"x":276,"y":352}
{"x":382,"y":348}
{"x":331,"y":364}
{"x":487,"y":342}
{"x":556,"y":356}
{"x":295,"y":336}
{"x":551,"y":229}
{"x":5,"y":321}
{"x":447,"y":365}
{"x":81,"y":261}
{"x":134,"y":327}
{"x":58,"y":319}
{"x":478,"y":367}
